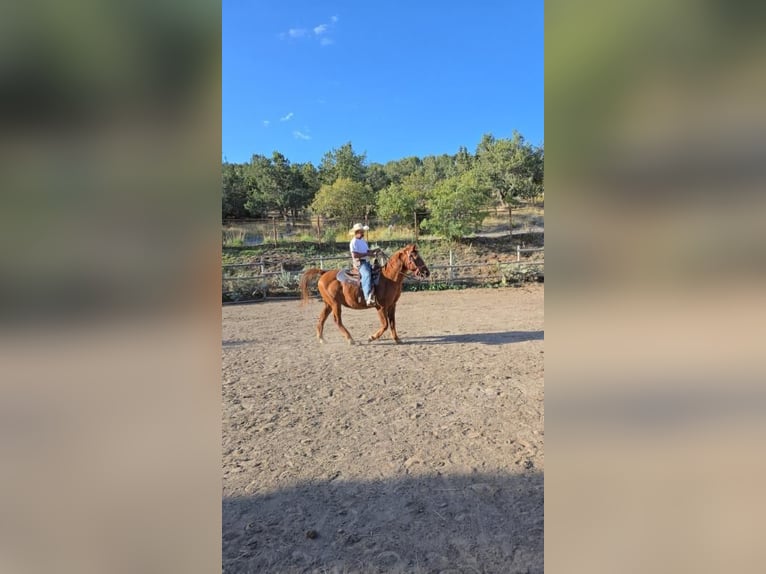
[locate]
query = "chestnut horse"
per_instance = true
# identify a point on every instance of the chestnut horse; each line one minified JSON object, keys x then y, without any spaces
{"x":336,"y":294}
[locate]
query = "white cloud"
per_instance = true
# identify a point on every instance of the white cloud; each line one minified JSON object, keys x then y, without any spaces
{"x":300,"y":135}
{"x":287,"y":117}
{"x":319,"y":30}
{"x":266,"y":123}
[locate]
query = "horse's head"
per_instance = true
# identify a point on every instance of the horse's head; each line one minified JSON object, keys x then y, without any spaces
{"x":414,"y":263}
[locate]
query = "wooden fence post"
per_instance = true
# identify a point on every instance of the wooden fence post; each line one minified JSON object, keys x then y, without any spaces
{"x":451,"y":273}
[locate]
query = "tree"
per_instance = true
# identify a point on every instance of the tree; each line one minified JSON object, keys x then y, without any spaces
{"x":464,"y":161}
{"x":537,"y":175}
{"x":456,"y":206}
{"x":376,"y":177}
{"x":511,"y":168}
{"x":283,"y":186}
{"x":258,"y":182}
{"x":310,"y":177}
{"x":307,"y":177}
{"x":343,"y":162}
{"x":437,"y":167}
{"x":277,"y":185}
{"x":400,"y":200}
{"x":345,"y":199}
{"x":234,"y":190}
{"x":397,"y":170}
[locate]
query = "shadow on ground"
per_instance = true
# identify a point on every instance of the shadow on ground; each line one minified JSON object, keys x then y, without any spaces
{"x":237,"y":342}
{"x":471,"y":523}
{"x":502,"y":338}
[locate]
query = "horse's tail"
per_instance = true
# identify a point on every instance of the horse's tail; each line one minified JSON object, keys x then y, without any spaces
{"x":306,"y":278}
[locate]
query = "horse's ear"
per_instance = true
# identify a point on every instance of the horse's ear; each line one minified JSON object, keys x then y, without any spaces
{"x":414,"y":246}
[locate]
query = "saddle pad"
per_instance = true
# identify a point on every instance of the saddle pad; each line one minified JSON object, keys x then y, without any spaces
{"x":344,"y":277}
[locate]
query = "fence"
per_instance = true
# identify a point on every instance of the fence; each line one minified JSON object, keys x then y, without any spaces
{"x":272,"y":278}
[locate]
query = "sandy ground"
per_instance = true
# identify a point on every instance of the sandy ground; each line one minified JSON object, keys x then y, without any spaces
{"x":421,"y":457}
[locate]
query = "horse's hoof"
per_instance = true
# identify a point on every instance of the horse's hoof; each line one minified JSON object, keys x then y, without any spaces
{"x":398,"y":341}
{"x":350,"y":342}
{"x":370,"y":339}
{"x":321,"y":341}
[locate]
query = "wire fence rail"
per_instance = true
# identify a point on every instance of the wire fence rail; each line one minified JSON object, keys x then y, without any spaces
{"x":273,"y":279}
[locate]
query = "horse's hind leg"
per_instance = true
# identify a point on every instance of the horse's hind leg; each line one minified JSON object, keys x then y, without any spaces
{"x":322,"y":318}
{"x":336,"y":315}
{"x":383,"y":324}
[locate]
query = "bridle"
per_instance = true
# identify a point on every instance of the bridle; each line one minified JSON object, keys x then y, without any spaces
{"x":413,"y":257}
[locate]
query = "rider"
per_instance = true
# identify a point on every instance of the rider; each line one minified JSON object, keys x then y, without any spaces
{"x":359,"y":253}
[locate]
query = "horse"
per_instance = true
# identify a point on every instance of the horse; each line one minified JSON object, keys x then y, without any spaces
{"x":337,"y":294}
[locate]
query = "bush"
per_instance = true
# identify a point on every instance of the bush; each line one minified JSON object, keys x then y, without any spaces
{"x":330,"y":234}
{"x":457,"y":206}
{"x":345,"y":199}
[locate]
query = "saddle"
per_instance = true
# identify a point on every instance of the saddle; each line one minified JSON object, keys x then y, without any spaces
{"x":352,"y":275}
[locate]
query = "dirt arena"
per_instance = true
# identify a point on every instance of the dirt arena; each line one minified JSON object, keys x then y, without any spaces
{"x":424,"y":457}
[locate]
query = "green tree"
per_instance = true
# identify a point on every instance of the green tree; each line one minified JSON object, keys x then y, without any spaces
{"x":537,"y":175}
{"x":277,"y":185}
{"x":511,"y":168}
{"x":258,"y":183}
{"x":376,"y":177}
{"x":234,"y":190}
{"x":282,"y":191}
{"x":463,"y":161}
{"x":437,"y":167}
{"x":343,"y":162}
{"x":397,"y":170}
{"x":307,"y":184}
{"x":344,"y":199}
{"x":399,"y":201}
{"x":310,"y":176}
{"x":456,"y":206}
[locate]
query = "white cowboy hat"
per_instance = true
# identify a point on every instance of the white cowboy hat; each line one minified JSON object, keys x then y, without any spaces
{"x":358,"y":227}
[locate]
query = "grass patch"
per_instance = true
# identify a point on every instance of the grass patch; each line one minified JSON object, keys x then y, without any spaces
{"x":234,"y":236}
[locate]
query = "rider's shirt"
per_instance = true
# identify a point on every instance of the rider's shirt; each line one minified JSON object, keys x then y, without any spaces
{"x":358,"y":245}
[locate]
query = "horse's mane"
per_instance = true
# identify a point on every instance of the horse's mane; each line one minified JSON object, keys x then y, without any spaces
{"x":396,"y":261}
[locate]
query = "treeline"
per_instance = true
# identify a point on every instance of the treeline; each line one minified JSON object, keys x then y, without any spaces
{"x":449,"y":192}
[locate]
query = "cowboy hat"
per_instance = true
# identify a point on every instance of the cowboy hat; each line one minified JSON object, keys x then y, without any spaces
{"x":358,"y":227}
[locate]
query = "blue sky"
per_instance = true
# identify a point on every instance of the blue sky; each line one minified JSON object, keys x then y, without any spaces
{"x":394,"y":78}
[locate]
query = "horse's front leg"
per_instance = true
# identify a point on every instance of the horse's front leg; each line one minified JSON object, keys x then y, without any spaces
{"x":392,"y":324}
{"x":383,"y":324}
